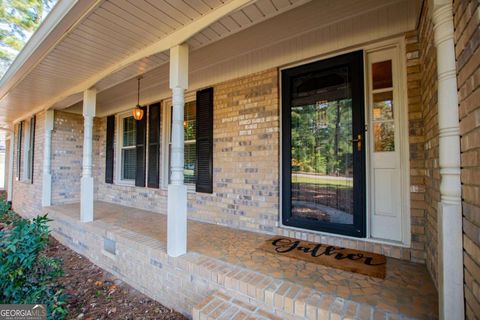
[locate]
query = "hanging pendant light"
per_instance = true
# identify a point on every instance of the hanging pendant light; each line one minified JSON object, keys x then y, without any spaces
{"x":137,"y":111}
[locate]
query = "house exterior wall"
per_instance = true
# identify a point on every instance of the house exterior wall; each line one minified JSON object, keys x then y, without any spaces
{"x":246,"y":163}
{"x":246,"y":160}
{"x":467,"y":48}
{"x":67,"y":152}
{"x":27,"y":196}
{"x":246,"y":135}
{"x":429,"y":111}
{"x":416,"y":140}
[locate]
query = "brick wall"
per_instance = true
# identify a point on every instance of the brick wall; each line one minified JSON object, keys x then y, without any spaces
{"x":67,"y":149}
{"x":467,"y":38}
{"x":246,"y":160}
{"x":131,"y":196}
{"x":428,"y":91}
{"x":27,"y":196}
{"x":417,"y":147}
{"x":246,"y":155}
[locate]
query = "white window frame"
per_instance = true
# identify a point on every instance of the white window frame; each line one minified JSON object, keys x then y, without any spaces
{"x":118,"y":163}
{"x":167,"y":139}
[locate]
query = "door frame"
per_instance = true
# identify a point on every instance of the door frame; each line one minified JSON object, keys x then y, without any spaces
{"x":399,"y":43}
{"x":355,"y":60}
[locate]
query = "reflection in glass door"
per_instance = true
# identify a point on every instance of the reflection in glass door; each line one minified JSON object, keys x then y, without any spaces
{"x":323,"y":142}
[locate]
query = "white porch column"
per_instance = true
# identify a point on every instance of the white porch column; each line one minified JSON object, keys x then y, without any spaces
{"x":86,"y":191}
{"x":47,"y":160}
{"x":177,"y":191}
{"x":11,"y":174}
{"x":450,"y":277}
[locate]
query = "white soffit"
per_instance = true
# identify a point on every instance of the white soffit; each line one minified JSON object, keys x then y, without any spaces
{"x":111,"y":33}
{"x":313,"y":29}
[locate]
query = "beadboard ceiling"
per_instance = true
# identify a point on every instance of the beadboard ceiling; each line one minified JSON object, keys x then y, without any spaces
{"x":97,"y":44}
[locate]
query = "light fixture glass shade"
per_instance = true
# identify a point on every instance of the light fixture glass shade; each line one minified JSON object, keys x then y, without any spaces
{"x":137,"y":113}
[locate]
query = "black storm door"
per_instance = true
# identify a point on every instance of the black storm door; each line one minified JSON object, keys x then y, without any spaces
{"x":323,"y":157}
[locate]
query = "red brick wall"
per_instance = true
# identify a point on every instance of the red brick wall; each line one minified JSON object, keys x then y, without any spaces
{"x":467,"y":49}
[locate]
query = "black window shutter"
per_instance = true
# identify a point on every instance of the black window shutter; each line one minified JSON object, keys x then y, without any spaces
{"x":141,"y":150}
{"x":109,"y":151}
{"x":33,"y":123}
{"x":154,"y":146}
{"x":204,"y":167}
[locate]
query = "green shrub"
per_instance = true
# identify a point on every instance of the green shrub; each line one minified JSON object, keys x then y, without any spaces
{"x":7,"y":216}
{"x":27,"y":274}
{"x":4,"y":206}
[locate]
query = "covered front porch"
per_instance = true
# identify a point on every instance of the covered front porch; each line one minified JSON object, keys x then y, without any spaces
{"x":131,"y":243}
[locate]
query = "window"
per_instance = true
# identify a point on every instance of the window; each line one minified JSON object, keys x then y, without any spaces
{"x":136,"y":148}
{"x":190,"y":146}
{"x":30,"y":148}
{"x":19,"y":148}
{"x":190,"y":129}
{"x":25,"y":149}
{"x":128,"y":129}
{"x":382,"y":110}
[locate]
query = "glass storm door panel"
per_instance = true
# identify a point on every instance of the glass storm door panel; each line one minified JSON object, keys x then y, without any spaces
{"x":323,"y":174}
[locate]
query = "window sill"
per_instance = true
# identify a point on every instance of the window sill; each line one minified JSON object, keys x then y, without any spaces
{"x":125,"y":183}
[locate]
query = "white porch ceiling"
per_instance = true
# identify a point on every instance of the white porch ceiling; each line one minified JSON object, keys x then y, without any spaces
{"x":101,"y":47}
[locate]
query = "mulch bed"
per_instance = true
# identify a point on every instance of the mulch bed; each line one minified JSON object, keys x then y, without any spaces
{"x":96,"y":294}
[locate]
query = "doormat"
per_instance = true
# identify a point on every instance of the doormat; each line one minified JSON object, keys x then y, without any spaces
{"x":370,"y":264}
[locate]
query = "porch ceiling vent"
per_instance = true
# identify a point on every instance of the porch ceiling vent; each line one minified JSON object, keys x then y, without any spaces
{"x":137,"y":111}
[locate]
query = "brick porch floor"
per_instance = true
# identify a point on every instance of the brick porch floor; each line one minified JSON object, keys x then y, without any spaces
{"x":406,"y":291}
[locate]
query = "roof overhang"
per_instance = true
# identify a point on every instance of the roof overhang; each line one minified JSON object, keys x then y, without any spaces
{"x":63,"y":18}
{"x":101,"y":43}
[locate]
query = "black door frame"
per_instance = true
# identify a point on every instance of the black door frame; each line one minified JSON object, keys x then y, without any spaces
{"x":355,"y":62}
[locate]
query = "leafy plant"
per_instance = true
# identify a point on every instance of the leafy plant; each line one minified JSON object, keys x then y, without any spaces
{"x":7,"y":216}
{"x":4,"y":206}
{"x":27,"y":274}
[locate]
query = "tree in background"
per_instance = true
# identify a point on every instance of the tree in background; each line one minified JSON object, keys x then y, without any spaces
{"x":18,"y":20}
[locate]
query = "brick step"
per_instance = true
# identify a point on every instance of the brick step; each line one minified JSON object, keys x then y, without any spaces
{"x":277,"y":297}
{"x":222,"y":306}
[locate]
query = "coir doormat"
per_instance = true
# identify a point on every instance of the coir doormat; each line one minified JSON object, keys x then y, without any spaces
{"x":370,"y":264}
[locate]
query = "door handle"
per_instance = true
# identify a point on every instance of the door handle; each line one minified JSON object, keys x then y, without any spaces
{"x":358,"y":141}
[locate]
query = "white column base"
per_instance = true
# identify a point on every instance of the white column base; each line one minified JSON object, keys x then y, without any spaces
{"x":177,"y":220}
{"x":46,"y":190}
{"x":450,"y":273}
{"x":86,"y":199}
